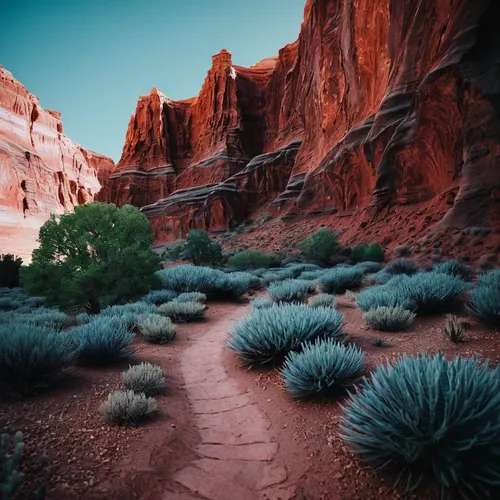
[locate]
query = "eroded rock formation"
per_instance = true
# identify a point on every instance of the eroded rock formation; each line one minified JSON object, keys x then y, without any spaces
{"x":379,"y":104}
{"x":41,"y":170}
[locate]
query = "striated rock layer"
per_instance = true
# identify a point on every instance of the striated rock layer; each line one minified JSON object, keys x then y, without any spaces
{"x":379,"y":104}
{"x":41,"y":170}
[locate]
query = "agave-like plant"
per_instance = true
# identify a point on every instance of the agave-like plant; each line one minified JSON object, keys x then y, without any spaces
{"x":269,"y":334}
{"x":454,"y":268}
{"x":484,"y":304}
{"x":182,"y":312}
{"x":431,"y":418}
{"x":383,"y":296}
{"x":261,"y":303}
{"x":289,"y":290}
{"x":340,"y":279}
{"x":389,"y":319}
{"x":321,"y":368}
{"x":323,"y":300}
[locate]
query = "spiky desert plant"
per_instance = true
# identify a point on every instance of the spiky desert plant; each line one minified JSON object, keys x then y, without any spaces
{"x":11,"y":453}
{"x":382,"y":296}
{"x":83,"y":318}
{"x":159,"y":296}
{"x":454,"y":328}
{"x":156,"y":328}
{"x":128,"y":407}
{"x":191,"y":297}
{"x":261,"y":303}
{"x":491,"y":278}
{"x":340,"y":279}
{"x":321,"y":368}
{"x":401,"y":266}
{"x":289,"y":290}
{"x":42,"y":316}
{"x":101,"y":341}
{"x":389,"y":319}
{"x":431,"y":418}
{"x":182,"y":312}
{"x":484,"y":304}
{"x":146,"y":378}
{"x":31,"y":354}
{"x":269,"y":334}
{"x":454,"y":268}
{"x":323,"y":300}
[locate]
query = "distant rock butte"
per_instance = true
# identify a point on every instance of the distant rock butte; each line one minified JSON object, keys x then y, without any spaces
{"x":41,"y":170}
{"x":379,"y":104}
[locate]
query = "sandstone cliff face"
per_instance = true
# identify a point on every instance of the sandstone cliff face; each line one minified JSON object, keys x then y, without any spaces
{"x":41,"y":170}
{"x":379,"y":104}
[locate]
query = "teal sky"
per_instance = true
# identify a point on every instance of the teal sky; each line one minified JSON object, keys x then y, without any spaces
{"x":92,"y":59}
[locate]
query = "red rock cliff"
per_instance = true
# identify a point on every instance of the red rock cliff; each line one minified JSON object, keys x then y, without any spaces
{"x":379,"y":104}
{"x":41,"y":170}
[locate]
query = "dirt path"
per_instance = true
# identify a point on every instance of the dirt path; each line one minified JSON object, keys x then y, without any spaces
{"x":237,"y":455}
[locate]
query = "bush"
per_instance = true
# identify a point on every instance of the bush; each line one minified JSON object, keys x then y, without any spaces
{"x":159,"y":296}
{"x":431,"y":418}
{"x":454,"y":328}
{"x":146,"y":378}
{"x":200,"y":249}
{"x":289,"y":290}
{"x":321,"y":368}
{"x":101,"y":341}
{"x":211,"y":282}
{"x":254,"y":282}
{"x":268,"y":334}
{"x":312,"y":275}
{"x":261,"y":303}
{"x":191,"y":297}
{"x":298,"y":269}
{"x":340,"y":279}
{"x":369,"y":267}
{"x":156,"y":329}
{"x":484,"y":303}
{"x":378,"y":343}
{"x":9,"y":270}
{"x":384,"y":296}
{"x":83,"y":318}
{"x":98,"y":255}
{"x":358,"y":252}
{"x":491,"y":278}
{"x":128,"y":407}
{"x":277,"y":275}
{"x":454,"y":268}
{"x":401,"y":266}
{"x":389,"y":319}
{"x":31,"y":354}
{"x":321,"y":246}
{"x":323,"y":300}
{"x":374,"y":253}
{"x":182,"y":312}
{"x":42,"y":316}
{"x":174,"y":251}
{"x":402,"y":251}
{"x":128,"y":313}
{"x":10,"y":460}
{"x":253,"y":259}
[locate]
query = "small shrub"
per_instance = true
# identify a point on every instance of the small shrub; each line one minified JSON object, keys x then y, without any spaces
{"x":175,"y":251}
{"x":389,"y":319}
{"x":11,"y":453}
{"x":128,"y":408}
{"x":401,"y":266}
{"x":191,"y":297}
{"x":312,"y":275}
{"x":268,"y":334}
{"x":484,"y":304}
{"x":321,"y":246}
{"x":159,"y":296}
{"x":454,"y":328}
{"x":253,"y":259}
{"x":378,"y":343}
{"x":321,"y":368}
{"x":338,"y":280}
{"x":358,"y":252}
{"x":261,"y":303}
{"x":9,"y":270}
{"x":31,"y":354}
{"x":156,"y":329}
{"x":254,"y":282}
{"x":277,"y":275}
{"x":101,"y":341}
{"x":83,"y":318}
{"x":42,"y":316}
{"x":200,"y":249}
{"x":289,"y":290}
{"x":182,"y":312}
{"x":401,"y":251}
{"x":491,"y":278}
{"x":431,"y":418}
{"x":146,"y":378}
{"x":350,"y":296}
{"x":128,"y":313}
{"x":369,"y":267}
{"x":454,"y":268}
{"x":299,"y":269}
{"x":323,"y":300}
{"x":383,"y":296}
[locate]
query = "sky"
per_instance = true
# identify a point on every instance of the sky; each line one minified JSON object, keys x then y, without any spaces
{"x":92,"y":59}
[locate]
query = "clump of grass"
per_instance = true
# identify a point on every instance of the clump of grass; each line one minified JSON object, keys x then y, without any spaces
{"x":261,"y":303}
{"x":389,"y":319}
{"x":484,"y":301}
{"x":159,"y":296}
{"x":156,"y":328}
{"x":454,"y":328}
{"x":454,"y":268}
{"x":289,"y":290}
{"x":191,"y":297}
{"x":146,"y":378}
{"x":323,"y":300}
{"x":401,"y":266}
{"x":183,"y":312}
{"x":378,"y":343}
{"x":128,"y":407}
{"x":340,"y":279}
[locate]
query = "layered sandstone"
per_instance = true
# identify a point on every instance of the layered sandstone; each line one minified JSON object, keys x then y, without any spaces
{"x":379,"y":104}
{"x":41,"y":170}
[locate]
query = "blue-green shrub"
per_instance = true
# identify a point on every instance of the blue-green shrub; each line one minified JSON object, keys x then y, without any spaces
{"x":340,"y":279}
{"x":191,"y":297}
{"x":491,"y":278}
{"x":30,"y":354}
{"x":383,"y":296}
{"x":298,"y":269}
{"x":128,"y":313}
{"x":211,"y":282}
{"x":312,"y":275}
{"x":369,"y":267}
{"x":43,"y":316}
{"x":484,"y":302}
{"x":156,"y":328}
{"x":431,"y":418}
{"x":83,"y":318}
{"x":323,"y":300}
{"x":253,"y":259}
{"x":321,"y":367}
{"x":261,"y":303}
{"x":401,"y":266}
{"x":389,"y":319}
{"x":101,"y":341}
{"x":254,"y":282}
{"x":159,"y":296}
{"x":454,"y":268}
{"x":182,"y":312}
{"x":270,"y":333}
{"x":289,"y":290}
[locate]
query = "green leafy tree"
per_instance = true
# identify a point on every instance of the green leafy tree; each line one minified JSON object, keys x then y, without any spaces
{"x":321,"y":246}
{"x":200,"y":249}
{"x":99,"y":255}
{"x":9,"y":270}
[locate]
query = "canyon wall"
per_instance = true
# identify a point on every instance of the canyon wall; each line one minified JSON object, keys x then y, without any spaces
{"x":41,"y":170}
{"x":379,"y":104}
